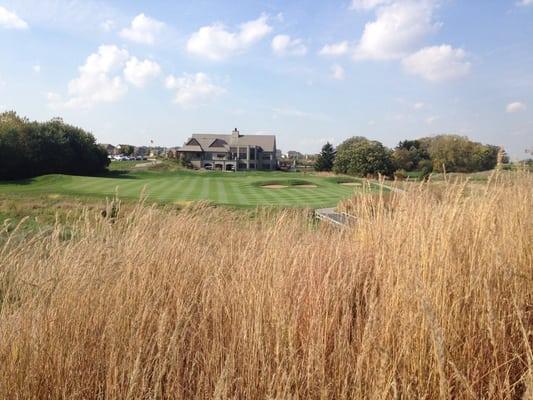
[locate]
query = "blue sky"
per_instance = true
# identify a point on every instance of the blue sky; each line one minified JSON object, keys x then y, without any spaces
{"x":308,"y":71}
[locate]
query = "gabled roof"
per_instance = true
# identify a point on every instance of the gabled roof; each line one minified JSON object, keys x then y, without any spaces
{"x":196,"y":149}
{"x":218,"y":143}
{"x":192,"y":142}
{"x":213,"y":142}
{"x":266,"y":142}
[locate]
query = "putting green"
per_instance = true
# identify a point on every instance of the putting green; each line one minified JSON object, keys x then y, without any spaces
{"x":235,"y":189}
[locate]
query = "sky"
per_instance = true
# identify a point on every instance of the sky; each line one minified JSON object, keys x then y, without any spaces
{"x":308,"y":71}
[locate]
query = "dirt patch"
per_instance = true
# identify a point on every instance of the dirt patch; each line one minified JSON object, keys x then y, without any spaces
{"x":350,"y":184}
{"x":310,"y":186}
{"x":274,"y":186}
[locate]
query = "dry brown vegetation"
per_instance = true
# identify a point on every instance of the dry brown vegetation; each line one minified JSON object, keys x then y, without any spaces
{"x":429,"y":296}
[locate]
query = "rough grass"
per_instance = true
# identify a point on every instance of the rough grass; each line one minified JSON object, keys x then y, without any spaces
{"x":343,"y":179}
{"x":430,"y":296}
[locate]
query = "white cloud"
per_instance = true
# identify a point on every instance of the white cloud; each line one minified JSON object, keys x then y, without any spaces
{"x":104,"y":78}
{"x":55,"y":100}
{"x":398,"y":29}
{"x":143,"y":30}
{"x":193,"y":89}
{"x":108,"y":25}
{"x":337,"y":72}
{"x":36,"y":68}
{"x":334,"y":49}
{"x":96,"y":82}
{"x":516,"y":106}
{"x":10,"y":20}
{"x":67,"y":16}
{"x":367,"y":4}
{"x":525,"y":3}
{"x":139,"y":73}
{"x":215,"y":42}
{"x":418,"y":105}
{"x":438,"y":63}
{"x":283,"y":45}
{"x":107,"y":59}
{"x":431,"y":119}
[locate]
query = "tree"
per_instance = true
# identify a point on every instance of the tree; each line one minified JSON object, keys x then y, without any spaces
{"x":360,"y":156}
{"x":325,"y":159}
{"x":459,"y":154}
{"x":126,"y":149}
{"x":29,"y":149}
{"x":408,"y":154}
{"x":404,"y":159}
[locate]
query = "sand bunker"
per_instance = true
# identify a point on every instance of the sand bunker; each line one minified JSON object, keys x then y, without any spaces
{"x":350,"y":184}
{"x":305,"y":186}
{"x":274,"y":186}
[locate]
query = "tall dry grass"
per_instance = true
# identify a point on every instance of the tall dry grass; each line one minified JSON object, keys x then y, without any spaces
{"x":429,"y":296}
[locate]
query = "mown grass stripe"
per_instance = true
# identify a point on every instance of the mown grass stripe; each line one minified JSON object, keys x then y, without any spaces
{"x":242,"y":189}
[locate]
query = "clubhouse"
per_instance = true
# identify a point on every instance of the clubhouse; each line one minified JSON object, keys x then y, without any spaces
{"x":230,"y":152}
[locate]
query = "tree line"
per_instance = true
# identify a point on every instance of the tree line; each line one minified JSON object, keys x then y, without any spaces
{"x":452,"y":153}
{"x":30,"y":148}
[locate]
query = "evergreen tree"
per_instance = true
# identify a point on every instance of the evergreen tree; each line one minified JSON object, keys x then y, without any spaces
{"x":325,"y":159}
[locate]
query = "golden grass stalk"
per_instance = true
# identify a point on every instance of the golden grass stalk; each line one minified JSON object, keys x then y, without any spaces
{"x":430,"y":296}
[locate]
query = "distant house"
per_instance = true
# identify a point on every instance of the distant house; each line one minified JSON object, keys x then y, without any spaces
{"x":173,"y":152}
{"x":109,"y":148}
{"x":230,"y":152}
{"x":294,"y":154}
{"x":142,"y":151}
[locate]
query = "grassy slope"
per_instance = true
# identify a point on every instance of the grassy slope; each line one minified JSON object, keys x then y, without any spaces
{"x":240,"y":189}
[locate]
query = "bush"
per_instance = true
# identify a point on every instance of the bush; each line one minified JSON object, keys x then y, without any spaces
{"x":400,"y":174}
{"x":425,"y":167}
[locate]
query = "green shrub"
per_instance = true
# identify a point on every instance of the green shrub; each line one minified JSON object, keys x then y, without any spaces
{"x":400,"y":174}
